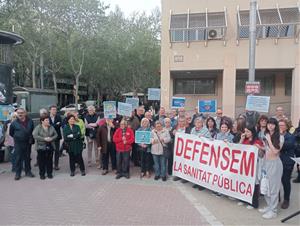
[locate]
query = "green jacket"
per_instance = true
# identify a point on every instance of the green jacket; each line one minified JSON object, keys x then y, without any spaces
{"x":75,"y":143}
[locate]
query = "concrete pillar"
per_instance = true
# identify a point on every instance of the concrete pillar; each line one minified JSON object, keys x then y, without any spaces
{"x":295,"y":104}
{"x":228,"y":91}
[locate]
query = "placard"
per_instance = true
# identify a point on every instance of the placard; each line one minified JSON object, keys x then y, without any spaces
{"x":178,"y":102}
{"x":135,"y":102}
{"x":142,"y":137}
{"x":110,"y":109}
{"x":207,"y":106}
{"x":153,"y":94}
{"x":6,"y":112}
{"x":124,"y":109}
{"x":258,"y":103}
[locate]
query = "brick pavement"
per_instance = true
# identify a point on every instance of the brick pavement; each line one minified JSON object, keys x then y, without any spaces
{"x":102,"y":200}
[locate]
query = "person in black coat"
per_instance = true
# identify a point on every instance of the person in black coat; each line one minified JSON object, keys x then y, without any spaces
{"x":297,"y":151}
{"x":56,"y":122}
{"x":287,"y":151}
{"x":21,"y":131}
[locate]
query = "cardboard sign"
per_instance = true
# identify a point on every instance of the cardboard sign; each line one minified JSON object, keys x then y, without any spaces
{"x":124,"y":109}
{"x":5,"y":112}
{"x":153,"y":94}
{"x":178,"y":102}
{"x":207,"y":106}
{"x":110,"y":109}
{"x":258,"y":103}
{"x":135,"y":102}
{"x":142,"y":137}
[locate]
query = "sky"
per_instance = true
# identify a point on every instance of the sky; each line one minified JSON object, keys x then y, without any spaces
{"x":129,"y":6}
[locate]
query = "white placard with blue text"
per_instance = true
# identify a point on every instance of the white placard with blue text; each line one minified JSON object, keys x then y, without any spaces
{"x":258,"y":103}
{"x":124,"y":109}
{"x":110,"y":109}
{"x":133,"y":101}
{"x":178,"y":102}
{"x":153,"y":94}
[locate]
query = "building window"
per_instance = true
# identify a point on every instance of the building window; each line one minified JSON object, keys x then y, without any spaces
{"x":204,"y":86}
{"x":267,"y":84}
{"x":288,"y":85}
{"x":196,"y":26}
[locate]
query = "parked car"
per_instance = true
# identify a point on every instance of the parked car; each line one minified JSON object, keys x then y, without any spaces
{"x":71,"y":107}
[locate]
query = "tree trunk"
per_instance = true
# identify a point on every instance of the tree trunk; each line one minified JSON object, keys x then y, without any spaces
{"x":33,"y":75}
{"x":54,"y":81}
{"x":76,"y":91}
{"x":42,"y":71}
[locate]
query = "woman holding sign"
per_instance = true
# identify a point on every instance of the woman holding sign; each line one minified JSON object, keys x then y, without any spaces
{"x":160,"y":137}
{"x":272,"y":168}
{"x":145,"y":151}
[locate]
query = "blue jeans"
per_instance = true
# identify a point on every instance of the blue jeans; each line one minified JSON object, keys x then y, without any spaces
{"x":160,"y":163}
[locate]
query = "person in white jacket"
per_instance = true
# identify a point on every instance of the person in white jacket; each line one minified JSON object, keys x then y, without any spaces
{"x":160,"y":137}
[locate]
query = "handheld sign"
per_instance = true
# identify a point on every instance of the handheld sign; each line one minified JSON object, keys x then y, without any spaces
{"x":258,"y":103}
{"x":5,"y":112}
{"x":153,"y":94}
{"x":207,"y":106}
{"x":142,"y":137}
{"x":110,"y":109}
{"x":124,"y":109}
{"x":178,"y":102}
{"x":133,"y":101}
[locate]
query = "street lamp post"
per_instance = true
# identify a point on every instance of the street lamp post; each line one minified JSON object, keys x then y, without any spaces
{"x":252,"y":40}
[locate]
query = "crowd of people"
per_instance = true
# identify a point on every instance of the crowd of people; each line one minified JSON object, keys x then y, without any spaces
{"x":113,"y":143}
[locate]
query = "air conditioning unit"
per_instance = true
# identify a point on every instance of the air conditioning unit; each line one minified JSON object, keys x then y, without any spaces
{"x":214,"y":34}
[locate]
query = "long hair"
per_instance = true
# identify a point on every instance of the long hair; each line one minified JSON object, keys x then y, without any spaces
{"x":275,"y":137}
{"x":254,"y":133}
{"x":213,"y":120}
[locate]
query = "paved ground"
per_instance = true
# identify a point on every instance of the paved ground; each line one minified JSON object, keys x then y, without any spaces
{"x":102,"y":200}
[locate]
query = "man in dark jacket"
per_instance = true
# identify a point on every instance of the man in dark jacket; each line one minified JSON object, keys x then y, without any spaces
{"x":55,"y":121}
{"x":21,"y":131}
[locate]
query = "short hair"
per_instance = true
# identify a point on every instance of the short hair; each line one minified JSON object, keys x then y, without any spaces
{"x":52,"y":106}
{"x":123,"y":121}
{"x":286,"y":122}
{"x":43,"y":117}
{"x":145,"y":119}
{"x":198,"y":119}
{"x":70,"y":116}
{"x":158,"y":122}
{"x":167,"y":119}
{"x":91,"y":107}
{"x":43,"y":111}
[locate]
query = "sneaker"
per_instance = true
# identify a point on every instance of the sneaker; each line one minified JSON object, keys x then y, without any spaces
{"x":17,"y":177}
{"x":240,"y":203}
{"x":156,"y":177}
{"x":56,"y":168}
{"x":42,"y":177}
{"x":263,"y":210}
{"x":297,"y":180}
{"x":83,"y":173}
{"x":269,"y":215}
{"x":249,"y":207}
{"x":285,"y":204}
{"x":72,"y":174}
{"x":50,"y":176}
{"x":98,"y":167}
{"x":118,"y":176}
{"x":164,"y":178}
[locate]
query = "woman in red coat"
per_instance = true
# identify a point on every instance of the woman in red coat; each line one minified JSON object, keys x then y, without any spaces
{"x":123,"y":138}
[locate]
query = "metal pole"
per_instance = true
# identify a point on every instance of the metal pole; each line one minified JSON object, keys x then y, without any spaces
{"x":252,"y":40}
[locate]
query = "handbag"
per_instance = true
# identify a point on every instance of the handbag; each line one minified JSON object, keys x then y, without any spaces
{"x":65,"y":146}
{"x":166,"y":152}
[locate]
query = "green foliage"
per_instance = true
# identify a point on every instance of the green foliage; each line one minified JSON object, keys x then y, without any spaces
{"x":113,"y":53}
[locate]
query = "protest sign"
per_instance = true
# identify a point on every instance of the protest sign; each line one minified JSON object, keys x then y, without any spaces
{"x":207,"y":106}
{"x":6,"y":112}
{"x":222,"y":167}
{"x":258,"y":103}
{"x":124,"y":109}
{"x":133,"y":101}
{"x":153,"y":94}
{"x":142,"y":137}
{"x":110,"y":109}
{"x":178,"y":102}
